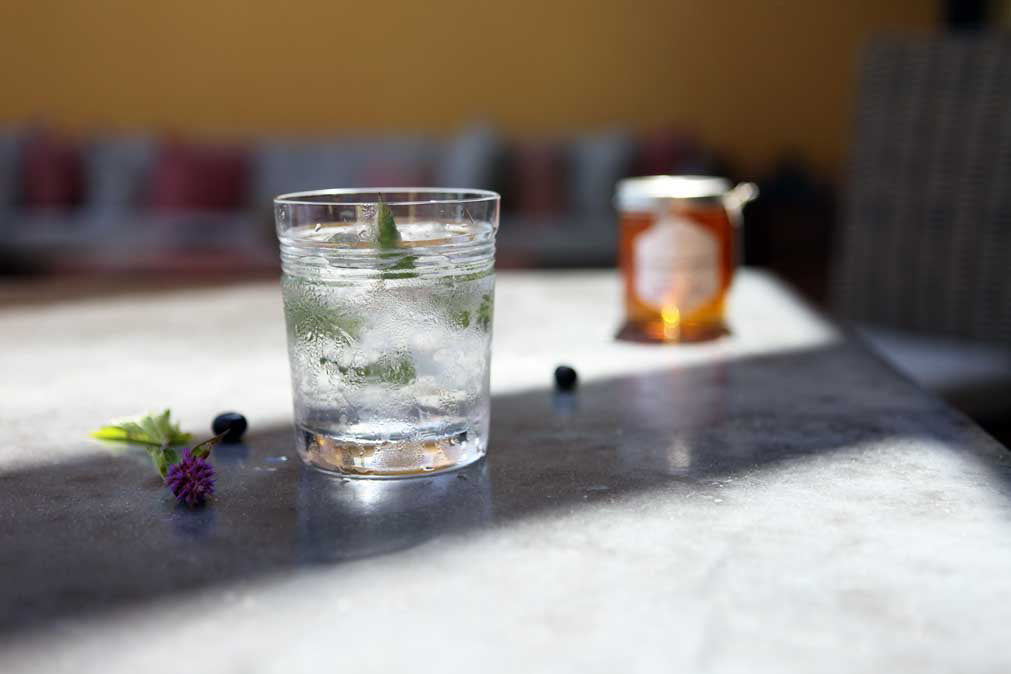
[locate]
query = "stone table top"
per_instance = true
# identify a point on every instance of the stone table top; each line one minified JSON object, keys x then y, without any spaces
{"x":775,"y":500}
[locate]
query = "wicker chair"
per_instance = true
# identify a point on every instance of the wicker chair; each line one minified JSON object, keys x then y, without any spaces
{"x":923,"y":260}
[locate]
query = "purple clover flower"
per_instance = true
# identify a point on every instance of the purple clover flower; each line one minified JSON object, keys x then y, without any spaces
{"x":191,"y":479}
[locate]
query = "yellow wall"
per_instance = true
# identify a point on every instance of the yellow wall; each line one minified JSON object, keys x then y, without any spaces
{"x":752,"y":76}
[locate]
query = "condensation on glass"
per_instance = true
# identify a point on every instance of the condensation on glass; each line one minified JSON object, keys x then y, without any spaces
{"x":389,"y":331}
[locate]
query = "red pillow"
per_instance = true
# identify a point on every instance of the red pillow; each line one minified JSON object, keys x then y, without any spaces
{"x":52,"y":171}
{"x":538,"y":178}
{"x":664,"y":152}
{"x":192,"y":177}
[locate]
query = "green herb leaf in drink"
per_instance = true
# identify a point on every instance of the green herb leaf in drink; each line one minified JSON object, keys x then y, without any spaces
{"x":387,"y":234}
{"x":404,"y":268}
{"x":389,"y":369}
{"x":460,"y":319}
{"x":484,"y":312}
{"x":388,"y":238}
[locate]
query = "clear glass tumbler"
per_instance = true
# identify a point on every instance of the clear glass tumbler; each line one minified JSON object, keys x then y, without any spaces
{"x":388,"y":299}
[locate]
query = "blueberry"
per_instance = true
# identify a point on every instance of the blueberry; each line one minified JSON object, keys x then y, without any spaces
{"x":565,"y":378}
{"x":231,"y":423}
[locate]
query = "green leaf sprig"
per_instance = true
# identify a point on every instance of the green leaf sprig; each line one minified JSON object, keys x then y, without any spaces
{"x":149,"y":429}
{"x":387,"y":234}
{"x":159,"y":436}
{"x":388,"y":238}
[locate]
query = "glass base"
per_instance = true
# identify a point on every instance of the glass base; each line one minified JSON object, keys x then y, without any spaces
{"x":355,"y":458}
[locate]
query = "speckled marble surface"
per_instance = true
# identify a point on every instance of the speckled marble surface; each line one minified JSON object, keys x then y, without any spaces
{"x":777,"y":500}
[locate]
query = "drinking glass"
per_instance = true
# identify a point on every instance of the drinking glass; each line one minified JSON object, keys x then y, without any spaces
{"x":388,"y":299}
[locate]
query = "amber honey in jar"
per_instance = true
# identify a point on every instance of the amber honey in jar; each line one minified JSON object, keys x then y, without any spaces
{"x":677,"y":253}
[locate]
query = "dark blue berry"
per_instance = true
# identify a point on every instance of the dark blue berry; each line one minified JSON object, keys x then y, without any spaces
{"x":231,"y":423}
{"x":565,"y":378}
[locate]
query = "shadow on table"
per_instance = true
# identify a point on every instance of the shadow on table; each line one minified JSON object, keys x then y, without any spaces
{"x":85,"y":537}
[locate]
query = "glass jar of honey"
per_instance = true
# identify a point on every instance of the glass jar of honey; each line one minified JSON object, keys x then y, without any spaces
{"x":677,"y":253}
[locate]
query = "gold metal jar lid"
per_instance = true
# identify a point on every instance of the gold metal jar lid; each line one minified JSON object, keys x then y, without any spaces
{"x":648,"y":193}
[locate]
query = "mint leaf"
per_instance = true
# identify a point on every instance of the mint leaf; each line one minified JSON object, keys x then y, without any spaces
{"x":308,"y":319}
{"x":404,"y":263}
{"x":152,"y":430}
{"x":484,"y":312}
{"x":159,"y":459}
{"x":168,"y":458}
{"x":203,"y":450}
{"x":402,"y":269}
{"x":168,"y":431}
{"x":388,"y":238}
{"x":387,"y":234}
{"x":387,"y":369}
{"x":124,"y":432}
{"x":156,"y":430}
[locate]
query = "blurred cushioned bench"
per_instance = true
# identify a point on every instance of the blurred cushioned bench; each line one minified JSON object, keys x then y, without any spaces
{"x":135,"y":201}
